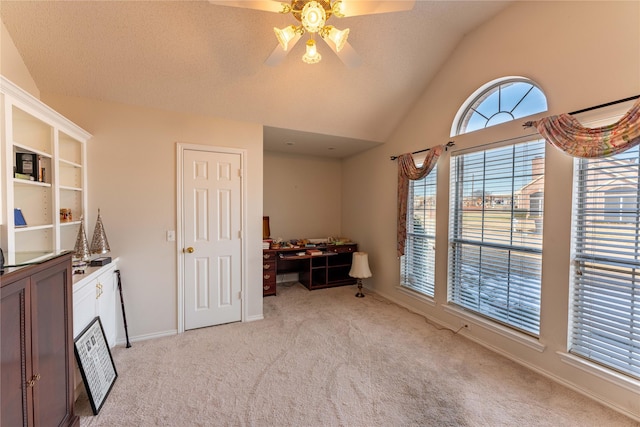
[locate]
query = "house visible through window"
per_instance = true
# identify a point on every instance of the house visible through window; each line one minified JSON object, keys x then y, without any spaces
{"x":495,"y":232}
{"x":418,"y":262}
{"x":496,"y":213}
{"x":606,"y":278}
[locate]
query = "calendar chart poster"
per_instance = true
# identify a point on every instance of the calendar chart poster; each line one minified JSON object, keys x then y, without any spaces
{"x":95,"y":363}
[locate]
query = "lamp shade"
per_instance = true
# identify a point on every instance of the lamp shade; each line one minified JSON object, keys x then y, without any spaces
{"x":285,"y":35}
{"x":360,"y":266}
{"x":337,"y":37}
{"x":311,"y":56}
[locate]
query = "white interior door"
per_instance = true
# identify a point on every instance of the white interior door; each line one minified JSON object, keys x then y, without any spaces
{"x":212,"y":218}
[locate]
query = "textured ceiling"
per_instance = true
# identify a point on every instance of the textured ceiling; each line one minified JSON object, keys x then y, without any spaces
{"x":196,"y":57}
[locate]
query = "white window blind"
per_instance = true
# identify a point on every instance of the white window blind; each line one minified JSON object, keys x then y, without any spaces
{"x":496,"y":233}
{"x":606,"y":246}
{"x":418,"y":262}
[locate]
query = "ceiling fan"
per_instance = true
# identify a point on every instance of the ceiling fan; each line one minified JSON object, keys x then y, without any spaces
{"x":312,"y":16}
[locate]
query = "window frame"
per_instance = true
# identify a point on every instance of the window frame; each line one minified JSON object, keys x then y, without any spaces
{"x":456,"y":264}
{"x":425,"y":289}
{"x":599,"y":289}
{"x":485,"y":91}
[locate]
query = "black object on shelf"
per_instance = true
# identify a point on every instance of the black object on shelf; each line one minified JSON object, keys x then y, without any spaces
{"x":27,"y":164}
{"x":99,"y":262}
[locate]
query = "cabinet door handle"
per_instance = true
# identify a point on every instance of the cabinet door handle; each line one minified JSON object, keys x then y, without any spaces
{"x":267,"y":276}
{"x":32,"y":381}
{"x":99,"y":291}
{"x":266,"y":288}
{"x":266,"y":266}
{"x":266,"y":256}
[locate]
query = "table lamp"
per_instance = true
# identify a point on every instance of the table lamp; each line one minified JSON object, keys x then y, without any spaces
{"x":360,"y":269}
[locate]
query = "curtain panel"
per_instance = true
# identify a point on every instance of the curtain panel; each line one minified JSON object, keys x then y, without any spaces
{"x":567,"y":134}
{"x":407,"y":170}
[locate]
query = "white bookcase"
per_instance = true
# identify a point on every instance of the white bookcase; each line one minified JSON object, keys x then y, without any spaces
{"x":29,"y":126}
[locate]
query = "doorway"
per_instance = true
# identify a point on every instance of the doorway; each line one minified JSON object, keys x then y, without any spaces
{"x":209,"y":239}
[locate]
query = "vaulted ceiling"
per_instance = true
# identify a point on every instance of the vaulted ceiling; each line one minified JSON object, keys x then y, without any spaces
{"x":196,"y":57}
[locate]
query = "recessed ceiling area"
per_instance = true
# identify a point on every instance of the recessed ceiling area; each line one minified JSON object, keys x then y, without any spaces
{"x":313,"y":144}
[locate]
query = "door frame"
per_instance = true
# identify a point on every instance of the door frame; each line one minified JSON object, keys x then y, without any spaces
{"x":180,"y":149}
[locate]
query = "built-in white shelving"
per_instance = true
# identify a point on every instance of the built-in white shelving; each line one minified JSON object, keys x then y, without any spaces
{"x":59,"y":181}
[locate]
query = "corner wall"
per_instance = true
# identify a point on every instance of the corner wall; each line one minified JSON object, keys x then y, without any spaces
{"x":581,"y":54}
{"x":132,"y":180}
{"x":302,"y":195}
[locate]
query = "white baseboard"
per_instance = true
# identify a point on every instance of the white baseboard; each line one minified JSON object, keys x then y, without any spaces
{"x":254,"y":318}
{"x":147,"y":337}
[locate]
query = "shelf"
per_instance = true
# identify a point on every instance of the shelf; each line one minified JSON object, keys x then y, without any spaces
{"x":20,"y":181}
{"x":21,"y":148}
{"x":33,"y":228}
{"x":59,"y":147}
{"x":69,"y":163}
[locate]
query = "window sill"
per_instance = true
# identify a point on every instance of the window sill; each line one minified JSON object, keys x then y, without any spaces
{"x":599,"y":371}
{"x":503,"y":331}
{"x":416,"y":295}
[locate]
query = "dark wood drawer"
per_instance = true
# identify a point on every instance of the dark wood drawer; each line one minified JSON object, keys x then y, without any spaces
{"x":268,"y":284}
{"x":269,"y":256}
{"x":269,"y":266}
{"x":340,"y":249}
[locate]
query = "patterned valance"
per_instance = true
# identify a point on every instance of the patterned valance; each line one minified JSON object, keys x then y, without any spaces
{"x":407,"y":170}
{"x":567,"y":134}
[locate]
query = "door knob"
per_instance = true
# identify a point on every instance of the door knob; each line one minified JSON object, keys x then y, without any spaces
{"x":189,"y":250}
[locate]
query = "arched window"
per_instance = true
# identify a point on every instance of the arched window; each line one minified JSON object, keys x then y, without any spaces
{"x":499,"y":101}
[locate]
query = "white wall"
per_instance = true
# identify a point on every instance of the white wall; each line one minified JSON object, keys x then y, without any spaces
{"x":132,"y":180}
{"x":581,"y":54}
{"x":302,"y":195}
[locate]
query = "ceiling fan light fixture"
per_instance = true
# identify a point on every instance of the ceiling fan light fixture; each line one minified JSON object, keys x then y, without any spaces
{"x":285,"y":35}
{"x":313,"y":16}
{"x":312,"y":56}
{"x":337,"y":9}
{"x":337,"y":37}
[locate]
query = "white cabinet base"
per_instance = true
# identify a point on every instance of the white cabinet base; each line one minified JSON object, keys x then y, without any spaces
{"x":95,"y":294}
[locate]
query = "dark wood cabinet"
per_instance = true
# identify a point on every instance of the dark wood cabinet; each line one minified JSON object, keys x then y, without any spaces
{"x":315,"y":272}
{"x":269,"y":273}
{"x":37,"y":345}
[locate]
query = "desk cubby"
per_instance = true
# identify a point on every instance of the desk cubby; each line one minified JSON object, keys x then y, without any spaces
{"x":315,"y":271}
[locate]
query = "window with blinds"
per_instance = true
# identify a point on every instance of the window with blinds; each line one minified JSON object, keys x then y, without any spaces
{"x":606,"y":246}
{"x":418,"y":262}
{"x":495,"y":230}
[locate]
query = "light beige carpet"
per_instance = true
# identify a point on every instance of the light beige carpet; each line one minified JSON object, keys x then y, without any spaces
{"x":326,"y":358}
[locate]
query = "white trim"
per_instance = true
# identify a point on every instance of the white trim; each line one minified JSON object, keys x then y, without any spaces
{"x":146,"y":337}
{"x":503,"y":331}
{"x":180,"y":149}
{"x":254,"y":318}
{"x":35,"y":107}
{"x":416,"y":295}
{"x":601,"y":372}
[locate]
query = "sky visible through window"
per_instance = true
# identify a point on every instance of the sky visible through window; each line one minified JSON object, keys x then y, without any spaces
{"x":502,"y":103}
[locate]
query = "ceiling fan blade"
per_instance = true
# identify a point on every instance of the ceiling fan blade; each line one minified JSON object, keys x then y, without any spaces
{"x":278,"y":54}
{"x":267,"y":5}
{"x":360,"y":7}
{"x":347,"y":54}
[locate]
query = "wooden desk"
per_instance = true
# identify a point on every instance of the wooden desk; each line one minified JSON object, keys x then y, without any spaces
{"x":316,"y":271}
